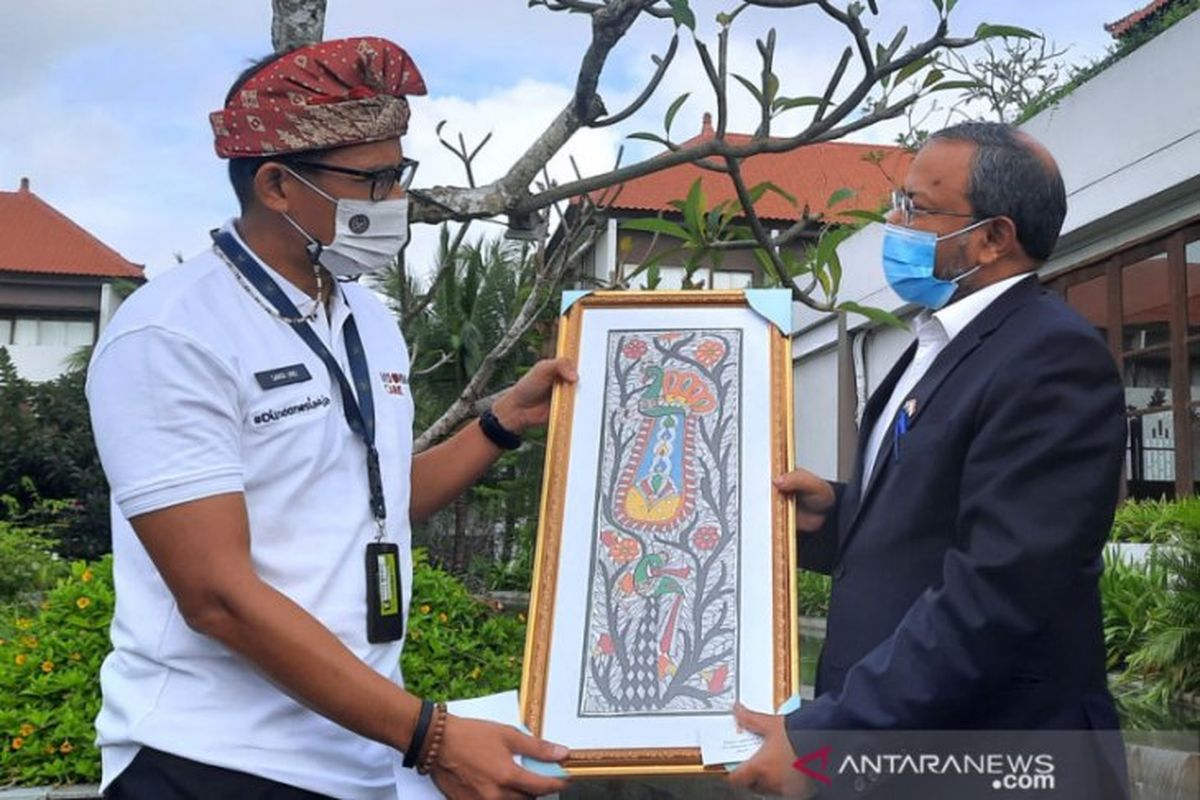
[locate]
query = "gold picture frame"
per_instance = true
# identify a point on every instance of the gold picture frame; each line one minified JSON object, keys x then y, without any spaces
{"x":783,"y":648}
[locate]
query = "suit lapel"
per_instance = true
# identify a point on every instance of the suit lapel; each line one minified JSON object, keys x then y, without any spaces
{"x":872,"y":411}
{"x":918,"y":398}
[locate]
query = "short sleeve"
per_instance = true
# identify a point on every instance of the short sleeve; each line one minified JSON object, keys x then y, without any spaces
{"x":167,"y":420}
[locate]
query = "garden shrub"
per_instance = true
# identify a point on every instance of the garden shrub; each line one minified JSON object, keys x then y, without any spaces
{"x":28,"y":563}
{"x":458,"y":647}
{"x":50,"y":680}
{"x":1156,"y":521}
{"x":814,"y":590}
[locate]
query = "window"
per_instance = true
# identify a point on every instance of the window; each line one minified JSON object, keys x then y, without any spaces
{"x":47,"y":332}
{"x":1145,"y":301}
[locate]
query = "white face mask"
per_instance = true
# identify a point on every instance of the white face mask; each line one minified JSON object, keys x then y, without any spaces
{"x":368,"y":234}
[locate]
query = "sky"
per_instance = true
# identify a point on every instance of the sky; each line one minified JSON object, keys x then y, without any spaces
{"x":106,"y":104}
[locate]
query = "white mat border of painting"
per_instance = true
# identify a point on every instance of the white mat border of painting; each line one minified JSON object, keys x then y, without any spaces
{"x":755,"y":678}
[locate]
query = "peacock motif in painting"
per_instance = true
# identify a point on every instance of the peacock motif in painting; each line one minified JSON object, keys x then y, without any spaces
{"x":662,"y":629}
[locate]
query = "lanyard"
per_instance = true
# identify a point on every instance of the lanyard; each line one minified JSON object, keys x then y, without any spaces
{"x":360,"y":410}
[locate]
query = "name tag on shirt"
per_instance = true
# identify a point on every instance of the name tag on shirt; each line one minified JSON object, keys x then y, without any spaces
{"x":282,"y":376}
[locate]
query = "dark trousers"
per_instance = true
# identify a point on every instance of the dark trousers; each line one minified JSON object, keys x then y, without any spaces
{"x":155,"y":775}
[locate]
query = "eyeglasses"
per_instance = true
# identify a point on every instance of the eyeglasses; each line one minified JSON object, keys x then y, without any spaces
{"x":383,"y":181}
{"x":902,"y":204}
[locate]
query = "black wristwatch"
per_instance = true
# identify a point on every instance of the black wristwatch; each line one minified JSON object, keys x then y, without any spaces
{"x":501,"y":436}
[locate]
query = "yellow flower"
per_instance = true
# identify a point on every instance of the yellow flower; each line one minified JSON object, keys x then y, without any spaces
{"x":49,"y":750}
{"x":83,"y":602}
{"x":20,"y":659}
{"x":65,"y":747}
{"x":443,"y":618}
{"x":29,"y":641}
{"x":74,"y":656}
{"x":23,"y":623}
{"x":475,"y":673}
{"x":47,"y":666}
{"x":521,"y":617}
{"x":425,"y":609}
{"x":17,"y":743}
{"x":27,"y":729}
{"x":86,"y":576}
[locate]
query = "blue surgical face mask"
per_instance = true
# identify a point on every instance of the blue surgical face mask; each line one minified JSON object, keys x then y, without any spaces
{"x":908,"y":260}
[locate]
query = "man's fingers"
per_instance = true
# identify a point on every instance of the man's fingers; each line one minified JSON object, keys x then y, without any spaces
{"x":566,"y":370}
{"x":813,"y":492}
{"x":526,"y":745}
{"x":533,"y":785}
{"x":808,"y":521}
{"x":752,"y":721}
{"x":745,"y":775}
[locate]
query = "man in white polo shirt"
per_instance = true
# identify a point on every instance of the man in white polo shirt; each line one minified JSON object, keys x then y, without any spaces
{"x":254,"y":421}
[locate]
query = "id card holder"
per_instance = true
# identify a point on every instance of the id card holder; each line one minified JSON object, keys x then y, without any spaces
{"x":385,"y":611}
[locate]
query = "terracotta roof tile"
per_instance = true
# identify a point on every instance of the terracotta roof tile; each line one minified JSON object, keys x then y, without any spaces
{"x":35,"y":237}
{"x":811,"y":173}
{"x":1123,"y":25}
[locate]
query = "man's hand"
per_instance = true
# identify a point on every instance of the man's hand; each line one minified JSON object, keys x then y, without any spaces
{"x":814,"y":497}
{"x":770,"y":770}
{"x":476,"y":761}
{"x":527,"y":403}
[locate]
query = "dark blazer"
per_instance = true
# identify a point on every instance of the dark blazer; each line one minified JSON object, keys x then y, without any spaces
{"x":965,"y":579}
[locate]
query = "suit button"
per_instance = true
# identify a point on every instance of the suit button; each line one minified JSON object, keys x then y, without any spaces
{"x":839,"y":571}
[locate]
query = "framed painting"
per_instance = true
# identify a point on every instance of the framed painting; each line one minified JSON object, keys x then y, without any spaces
{"x":664,"y":580}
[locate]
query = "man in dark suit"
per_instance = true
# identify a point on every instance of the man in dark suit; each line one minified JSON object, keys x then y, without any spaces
{"x":966,"y":551}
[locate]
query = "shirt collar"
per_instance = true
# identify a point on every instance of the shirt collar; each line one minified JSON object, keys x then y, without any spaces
{"x":299,"y":299}
{"x":959,"y":314}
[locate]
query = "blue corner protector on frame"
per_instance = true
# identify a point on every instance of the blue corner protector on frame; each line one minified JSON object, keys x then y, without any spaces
{"x":773,"y":305}
{"x":547,"y":768}
{"x":570,"y":297}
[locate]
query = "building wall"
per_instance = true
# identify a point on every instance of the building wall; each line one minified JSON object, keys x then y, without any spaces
{"x":76,"y":299}
{"x":1128,"y":145}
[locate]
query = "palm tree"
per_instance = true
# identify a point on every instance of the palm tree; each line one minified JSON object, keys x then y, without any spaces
{"x":459,"y":319}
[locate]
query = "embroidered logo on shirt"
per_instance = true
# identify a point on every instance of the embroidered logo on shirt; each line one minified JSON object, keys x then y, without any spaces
{"x":276,"y":414}
{"x":393,"y":382}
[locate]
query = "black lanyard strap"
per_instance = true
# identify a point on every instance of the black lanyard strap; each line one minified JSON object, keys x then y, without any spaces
{"x":359,"y":410}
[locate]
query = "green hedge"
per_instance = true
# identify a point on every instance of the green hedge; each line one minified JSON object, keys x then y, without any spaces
{"x":52,"y":645}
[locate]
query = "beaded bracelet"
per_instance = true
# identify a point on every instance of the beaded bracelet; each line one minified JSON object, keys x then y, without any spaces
{"x":429,"y":760}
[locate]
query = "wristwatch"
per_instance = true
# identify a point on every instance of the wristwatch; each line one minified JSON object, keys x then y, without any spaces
{"x":501,"y":436}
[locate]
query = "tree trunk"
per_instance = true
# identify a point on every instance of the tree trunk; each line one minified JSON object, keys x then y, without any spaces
{"x":295,"y":23}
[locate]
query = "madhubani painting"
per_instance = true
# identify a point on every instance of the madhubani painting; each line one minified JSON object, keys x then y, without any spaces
{"x":662,"y":604}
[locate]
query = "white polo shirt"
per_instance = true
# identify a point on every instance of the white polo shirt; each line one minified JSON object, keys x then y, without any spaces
{"x":195,"y":390}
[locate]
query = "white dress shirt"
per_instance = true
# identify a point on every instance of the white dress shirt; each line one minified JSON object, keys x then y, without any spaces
{"x":933,"y":331}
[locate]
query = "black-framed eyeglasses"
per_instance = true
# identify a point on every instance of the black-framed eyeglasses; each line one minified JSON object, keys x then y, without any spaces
{"x":383,"y":181}
{"x":902,"y":204}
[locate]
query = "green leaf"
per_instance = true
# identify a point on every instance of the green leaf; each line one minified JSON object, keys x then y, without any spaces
{"x":772,"y":87}
{"x":950,"y":4}
{"x":693,"y":208}
{"x":932,"y":77}
{"x":989,"y":31}
{"x":788,"y":103}
{"x":759,"y":189}
{"x":682,"y":14}
{"x":876,"y":315}
{"x":750,"y":87}
{"x":863,"y":214}
{"x":673,"y":110}
{"x":912,"y":69}
{"x":938,"y":5}
{"x":653,"y":277}
{"x":649,"y":137}
{"x":960,"y":85}
{"x":844,"y":193}
{"x":656,"y":225}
